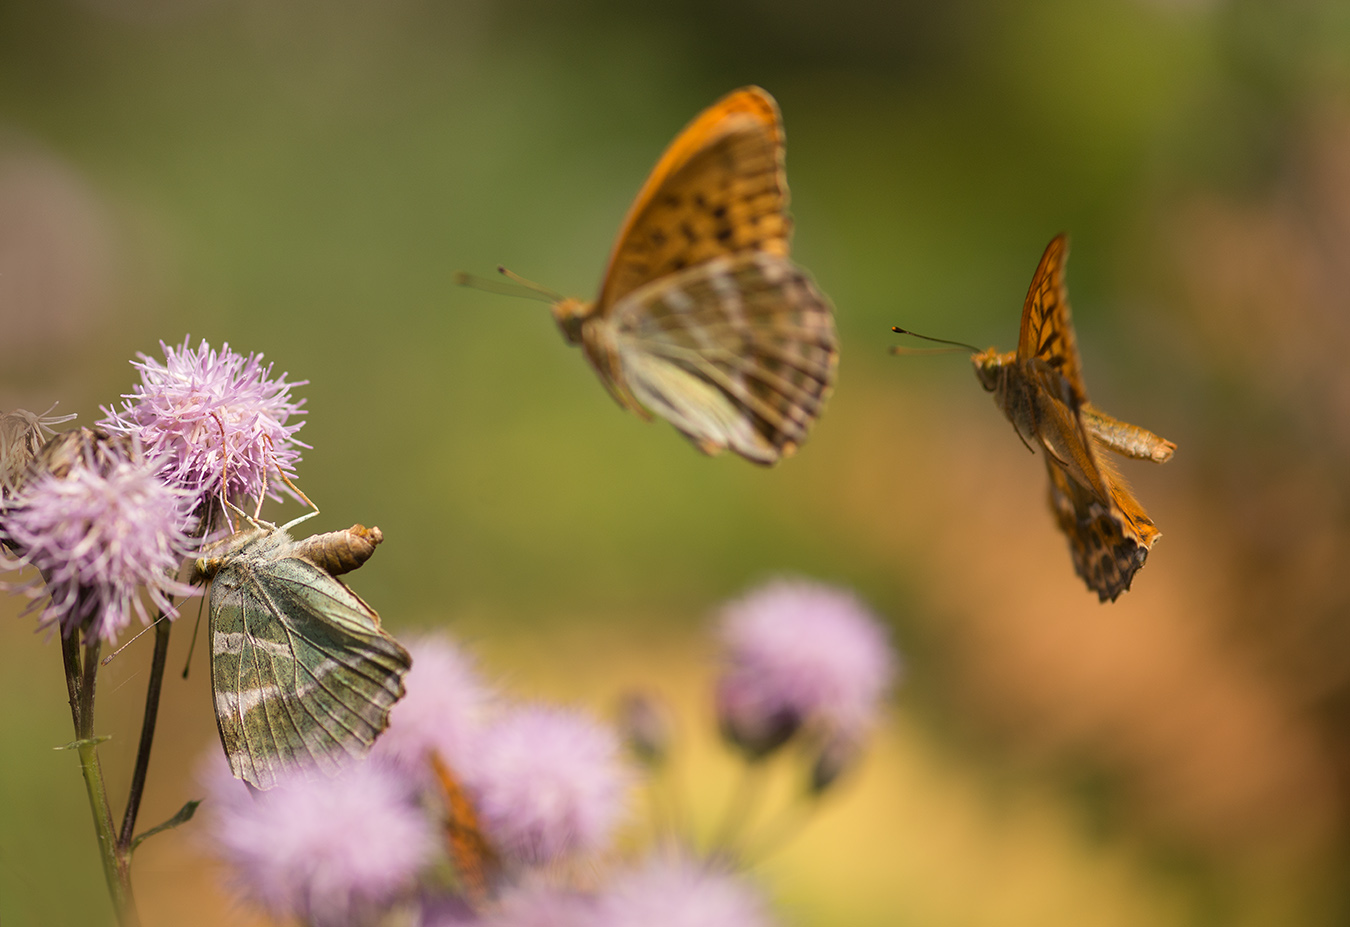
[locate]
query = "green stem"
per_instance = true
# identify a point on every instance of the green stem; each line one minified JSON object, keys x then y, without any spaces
{"x":740,"y":809}
{"x":80,"y":678}
{"x":157,"y":663}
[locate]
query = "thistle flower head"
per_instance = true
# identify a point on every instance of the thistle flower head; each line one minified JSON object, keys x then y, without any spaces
{"x":99,"y":524}
{"x":327,"y":851}
{"x":445,"y":703}
{"x":797,"y":653}
{"x":674,"y":891}
{"x":214,"y":419}
{"x":548,"y":782}
{"x":22,"y":434}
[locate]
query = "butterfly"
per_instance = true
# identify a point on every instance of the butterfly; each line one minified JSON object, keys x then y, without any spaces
{"x":1040,"y":388}
{"x":476,"y":862}
{"x":702,"y":318}
{"x":302,"y":674}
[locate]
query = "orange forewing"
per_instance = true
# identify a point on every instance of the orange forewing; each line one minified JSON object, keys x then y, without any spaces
{"x":1046,"y":333}
{"x":718,"y":189}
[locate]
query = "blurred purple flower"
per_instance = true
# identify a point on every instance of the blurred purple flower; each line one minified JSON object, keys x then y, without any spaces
{"x":795,"y":653}
{"x":327,"y":851}
{"x":215,"y":419}
{"x":447,"y":911}
{"x":674,"y":891}
{"x":540,"y":905}
{"x":99,"y":529}
{"x":548,"y":782}
{"x":445,"y":704}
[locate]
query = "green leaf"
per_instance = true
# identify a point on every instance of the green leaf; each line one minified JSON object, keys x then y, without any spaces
{"x":184,"y":815}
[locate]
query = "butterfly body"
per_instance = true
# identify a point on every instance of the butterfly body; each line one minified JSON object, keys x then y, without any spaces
{"x":702,"y":318}
{"x":303,"y":675}
{"x":1040,"y":389}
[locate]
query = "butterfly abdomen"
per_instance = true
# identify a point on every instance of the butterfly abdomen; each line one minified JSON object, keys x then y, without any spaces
{"x":1126,"y":439}
{"x":339,"y":552}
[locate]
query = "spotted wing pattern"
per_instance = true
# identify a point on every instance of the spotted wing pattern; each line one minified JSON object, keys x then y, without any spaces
{"x":303,"y":674}
{"x":737,"y":352}
{"x":718,"y":189}
{"x":1108,"y":541}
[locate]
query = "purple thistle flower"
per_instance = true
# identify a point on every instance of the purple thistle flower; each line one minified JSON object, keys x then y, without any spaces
{"x":328,"y":851}
{"x":215,"y":419}
{"x":100,"y":526}
{"x":678,"y":892}
{"x":548,"y":782}
{"x":445,"y":704}
{"x":795,"y":653}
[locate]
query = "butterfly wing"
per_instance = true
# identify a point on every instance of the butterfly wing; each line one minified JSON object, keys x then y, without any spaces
{"x":718,"y":189}
{"x":739,"y":352}
{"x":1046,"y":334}
{"x":475,"y":861}
{"x":304,"y":676}
{"x":1108,"y":540}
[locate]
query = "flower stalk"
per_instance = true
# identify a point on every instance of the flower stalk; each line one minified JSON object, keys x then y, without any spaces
{"x":158,"y":661}
{"x":81,"y":673}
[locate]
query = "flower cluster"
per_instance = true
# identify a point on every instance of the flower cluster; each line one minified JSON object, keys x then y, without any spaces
{"x":544,"y":784}
{"x":525,"y":800}
{"x":106,"y":515}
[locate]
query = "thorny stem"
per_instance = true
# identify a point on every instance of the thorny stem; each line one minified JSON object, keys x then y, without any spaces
{"x":80,"y":678}
{"x":157,"y":663}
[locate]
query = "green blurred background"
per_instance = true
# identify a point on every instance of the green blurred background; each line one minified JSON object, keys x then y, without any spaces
{"x":303,"y":178}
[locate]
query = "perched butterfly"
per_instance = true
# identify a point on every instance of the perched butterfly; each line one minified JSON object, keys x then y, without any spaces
{"x":702,"y":319}
{"x":303,"y":674}
{"x":1040,"y":388}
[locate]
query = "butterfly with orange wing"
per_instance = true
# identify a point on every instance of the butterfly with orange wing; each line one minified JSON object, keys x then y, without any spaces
{"x":1040,"y":388}
{"x":702,"y":318}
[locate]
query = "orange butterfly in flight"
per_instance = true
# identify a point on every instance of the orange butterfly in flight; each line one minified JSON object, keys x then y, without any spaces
{"x":1040,"y":388}
{"x":702,"y":318}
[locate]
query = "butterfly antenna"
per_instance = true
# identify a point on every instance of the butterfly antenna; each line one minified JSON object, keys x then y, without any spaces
{"x":544,"y":291}
{"x":108,"y":659}
{"x":906,"y":351}
{"x":187,"y":664}
{"x":521,"y":287}
{"x":904,"y":331}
